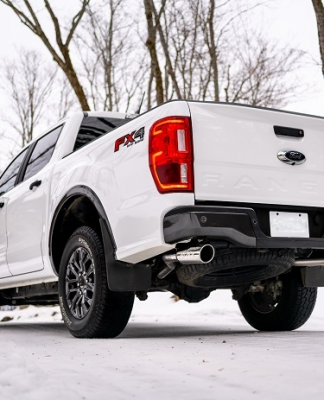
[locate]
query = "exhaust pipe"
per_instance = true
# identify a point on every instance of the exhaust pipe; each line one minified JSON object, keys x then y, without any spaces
{"x":309,"y":263}
{"x":193,"y":255}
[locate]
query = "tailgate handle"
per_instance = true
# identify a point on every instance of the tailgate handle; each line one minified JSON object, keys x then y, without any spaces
{"x":291,"y":132}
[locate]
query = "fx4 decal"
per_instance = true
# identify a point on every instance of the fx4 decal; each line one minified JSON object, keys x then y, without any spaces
{"x":130,"y":139}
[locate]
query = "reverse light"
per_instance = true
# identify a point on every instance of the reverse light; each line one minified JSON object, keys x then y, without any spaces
{"x":171,"y":155}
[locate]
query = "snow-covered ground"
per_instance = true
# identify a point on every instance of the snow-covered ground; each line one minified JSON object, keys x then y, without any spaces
{"x":169,"y":350}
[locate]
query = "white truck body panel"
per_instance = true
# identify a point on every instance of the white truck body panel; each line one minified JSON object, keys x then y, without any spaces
{"x":235,"y":156}
{"x":4,"y":270}
{"x":25,"y":218}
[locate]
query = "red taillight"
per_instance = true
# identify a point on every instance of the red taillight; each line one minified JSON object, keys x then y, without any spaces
{"x":170,"y":152}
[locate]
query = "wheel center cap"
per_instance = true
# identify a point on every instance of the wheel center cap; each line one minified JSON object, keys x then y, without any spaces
{"x":82,"y":281}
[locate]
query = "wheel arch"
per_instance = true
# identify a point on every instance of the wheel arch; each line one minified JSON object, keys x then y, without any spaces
{"x":78,"y":207}
{"x":69,"y":215}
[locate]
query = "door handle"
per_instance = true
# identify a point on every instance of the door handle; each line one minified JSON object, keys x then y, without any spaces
{"x":35,"y":184}
{"x":2,"y":204}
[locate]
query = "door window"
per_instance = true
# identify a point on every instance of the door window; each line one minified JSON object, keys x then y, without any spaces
{"x":42,"y":152}
{"x":8,"y":178}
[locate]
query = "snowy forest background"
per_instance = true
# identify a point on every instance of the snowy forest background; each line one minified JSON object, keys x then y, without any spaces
{"x":109,"y":54}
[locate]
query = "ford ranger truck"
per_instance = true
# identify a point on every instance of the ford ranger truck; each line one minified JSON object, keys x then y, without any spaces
{"x":188,"y":197}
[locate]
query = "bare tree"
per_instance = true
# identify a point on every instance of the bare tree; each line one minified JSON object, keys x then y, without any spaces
{"x":100,"y":41}
{"x":198,"y":49}
{"x":207,"y":16}
{"x":214,"y":55}
{"x":61,"y":101}
{"x":28,"y":84}
{"x":27,"y":14}
{"x":258,"y":73}
{"x":191,"y":41}
{"x":186,"y":51}
{"x":319,"y":13}
{"x":158,"y":26}
{"x":151,"y":44}
{"x":218,"y":21}
{"x":112,"y":67}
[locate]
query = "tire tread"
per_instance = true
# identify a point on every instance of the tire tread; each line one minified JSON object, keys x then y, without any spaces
{"x":293,"y":310}
{"x":112,"y":310}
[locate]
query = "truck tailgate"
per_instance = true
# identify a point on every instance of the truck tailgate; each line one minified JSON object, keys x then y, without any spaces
{"x":235,"y":156}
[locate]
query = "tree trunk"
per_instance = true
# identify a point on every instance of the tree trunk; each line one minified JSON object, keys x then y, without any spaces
{"x":77,"y":87}
{"x":319,"y":12}
{"x":151,"y":45}
{"x":165,"y":47}
{"x":213,"y":50}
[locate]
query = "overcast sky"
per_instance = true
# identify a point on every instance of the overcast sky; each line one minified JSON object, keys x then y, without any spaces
{"x":291,"y":22}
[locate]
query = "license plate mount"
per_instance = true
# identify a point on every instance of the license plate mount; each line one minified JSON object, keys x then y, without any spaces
{"x":289,"y":224}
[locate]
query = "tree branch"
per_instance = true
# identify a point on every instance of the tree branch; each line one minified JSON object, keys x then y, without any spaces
{"x":76,"y":20}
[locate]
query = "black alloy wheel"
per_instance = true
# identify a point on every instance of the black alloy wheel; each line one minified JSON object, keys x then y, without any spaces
{"x":80,"y":282}
{"x":89,"y":308}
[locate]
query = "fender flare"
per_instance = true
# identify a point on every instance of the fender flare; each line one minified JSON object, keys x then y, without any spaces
{"x":121,"y":276}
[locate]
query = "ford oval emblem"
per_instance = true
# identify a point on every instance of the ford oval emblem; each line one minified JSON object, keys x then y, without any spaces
{"x":291,"y":157}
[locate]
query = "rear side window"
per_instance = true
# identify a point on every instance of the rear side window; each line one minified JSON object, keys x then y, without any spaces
{"x":9,"y":177}
{"x":42,"y":152}
{"x":93,"y":127}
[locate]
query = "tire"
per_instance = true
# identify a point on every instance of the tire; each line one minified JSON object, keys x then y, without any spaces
{"x":89,"y":308}
{"x":289,"y":311}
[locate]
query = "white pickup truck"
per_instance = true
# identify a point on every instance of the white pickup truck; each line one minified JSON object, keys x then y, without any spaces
{"x":188,"y":197}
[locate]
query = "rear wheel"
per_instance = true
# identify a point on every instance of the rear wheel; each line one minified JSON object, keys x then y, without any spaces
{"x":89,"y":308}
{"x":284,"y":304}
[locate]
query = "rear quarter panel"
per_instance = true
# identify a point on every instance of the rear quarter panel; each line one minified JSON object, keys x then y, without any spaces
{"x":123,"y":183}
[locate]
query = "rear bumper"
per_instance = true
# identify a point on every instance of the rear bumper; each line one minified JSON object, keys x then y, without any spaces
{"x":237,"y":225}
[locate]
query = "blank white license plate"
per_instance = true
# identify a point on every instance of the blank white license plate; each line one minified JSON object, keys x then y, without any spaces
{"x":288,"y":224}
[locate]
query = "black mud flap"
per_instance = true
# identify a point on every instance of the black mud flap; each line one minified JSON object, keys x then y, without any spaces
{"x":313,"y":276}
{"x":121,"y":276}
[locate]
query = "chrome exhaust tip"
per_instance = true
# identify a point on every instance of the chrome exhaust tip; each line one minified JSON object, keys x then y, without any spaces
{"x":194,"y":255}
